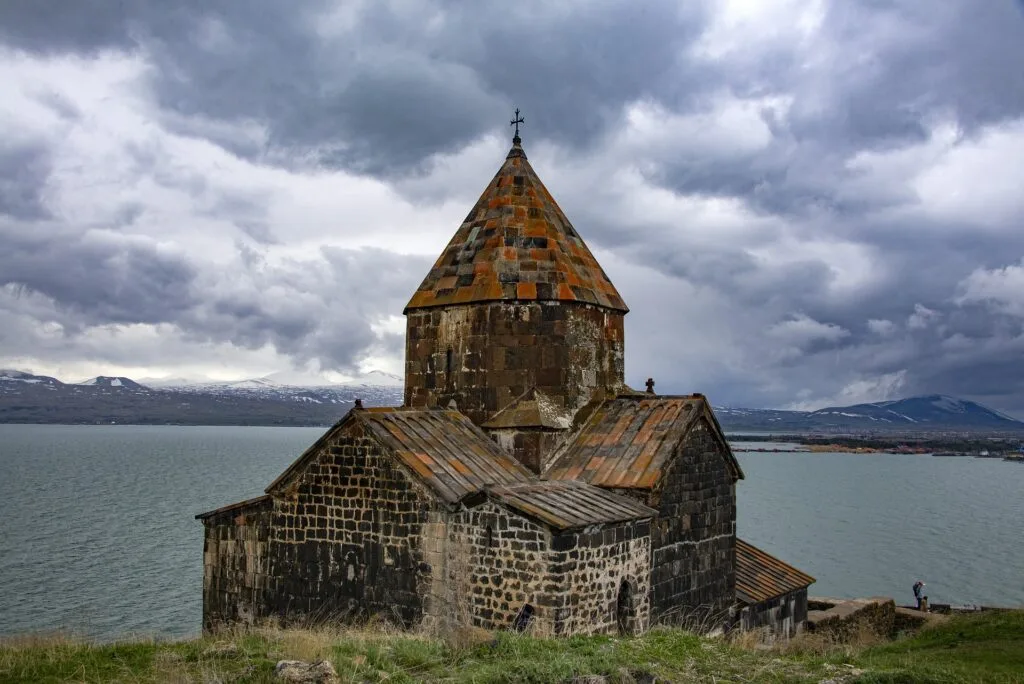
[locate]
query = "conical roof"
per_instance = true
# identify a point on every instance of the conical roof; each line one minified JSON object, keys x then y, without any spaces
{"x":516,"y":245}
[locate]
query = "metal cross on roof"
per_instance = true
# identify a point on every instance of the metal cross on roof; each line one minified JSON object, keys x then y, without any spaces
{"x":515,"y":122}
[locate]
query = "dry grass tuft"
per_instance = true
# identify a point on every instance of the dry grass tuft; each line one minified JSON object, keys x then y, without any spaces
{"x":828,"y":644}
{"x":466,"y":638}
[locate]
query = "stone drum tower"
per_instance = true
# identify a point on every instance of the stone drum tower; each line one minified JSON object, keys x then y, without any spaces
{"x":515,"y":303}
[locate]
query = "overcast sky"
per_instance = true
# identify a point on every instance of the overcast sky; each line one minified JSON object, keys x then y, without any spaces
{"x":803,"y":203}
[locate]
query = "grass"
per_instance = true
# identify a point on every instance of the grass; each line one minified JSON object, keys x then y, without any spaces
{"x":980,"y":648}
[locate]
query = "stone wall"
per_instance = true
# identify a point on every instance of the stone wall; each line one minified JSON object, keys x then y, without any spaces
{"x":235,"y":553}
{"x":347,"y":536}
{"x":484,"y":355}
{"x":694,"y":536}
{"x":848,"y":619}
{"x":592,"y":567}
{"x":495,"y":562}
{"x":783,"y":615}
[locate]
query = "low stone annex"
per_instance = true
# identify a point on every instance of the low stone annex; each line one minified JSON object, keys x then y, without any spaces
{"x":521,"y":485}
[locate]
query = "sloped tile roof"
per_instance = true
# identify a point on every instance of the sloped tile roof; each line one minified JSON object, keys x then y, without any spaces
{"x":761,"y":576}
{"x":532,"y":409}
{"x":566,"y":505}
{"x":451,"y":454}
{"x":516,"y":244}
{"x":252,"y":505}
{"x":628,"y":441}
{"x":443,"y":448}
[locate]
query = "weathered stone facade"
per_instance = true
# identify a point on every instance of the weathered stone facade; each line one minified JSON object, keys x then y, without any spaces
{"x":341,"y":539}
{"x":497,"y":562}
{"x":346,"y":535}
{"x":522,"y":483}
{"x":694,"y":538}
{"x":781,"y":616}
{"x":484,"y":355}
{"x":771,"y":595}
{"x":593,"y":566}
{"x":236,"y":562}
{"x":350,"y":530}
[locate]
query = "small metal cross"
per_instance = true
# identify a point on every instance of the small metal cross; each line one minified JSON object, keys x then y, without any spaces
{"x":516,"y":121}
{"x":650,"y":385}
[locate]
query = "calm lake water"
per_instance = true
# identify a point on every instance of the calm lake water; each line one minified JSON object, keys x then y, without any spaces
{"x":98,"y":536}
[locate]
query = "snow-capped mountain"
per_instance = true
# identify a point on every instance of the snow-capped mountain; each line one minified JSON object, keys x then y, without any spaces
{"x":375,"y":388}
{"x":29,"y":398}
{"x":272,"y":400}
{"x":929,"y":413}
{"x":16,"y":376}
{"x":112,"y":382}
{"x":924,"y":412}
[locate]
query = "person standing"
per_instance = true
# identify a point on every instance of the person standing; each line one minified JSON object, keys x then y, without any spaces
{"x":919,"y":592}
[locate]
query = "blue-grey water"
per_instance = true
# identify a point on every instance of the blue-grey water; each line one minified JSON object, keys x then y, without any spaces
{"x":98,"y":536}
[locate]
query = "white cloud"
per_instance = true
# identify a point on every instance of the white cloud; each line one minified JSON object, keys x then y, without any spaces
{"x":922,"y":317}
{"x":1000,"y":288}
{"x":861,"y":391}
{"x":802,"y":329}
{"x":881,"y":326}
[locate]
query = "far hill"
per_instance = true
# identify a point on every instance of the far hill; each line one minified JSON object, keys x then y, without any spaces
{"x":930,"y":413}
{"x":112,"y":383}
{"x":272,"y":400}
{"x":28,"y":398}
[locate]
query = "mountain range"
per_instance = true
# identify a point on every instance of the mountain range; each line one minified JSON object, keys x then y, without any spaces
{"x":279,"y":400}
{"x":929,"y":413}
{"x":28,"y":398}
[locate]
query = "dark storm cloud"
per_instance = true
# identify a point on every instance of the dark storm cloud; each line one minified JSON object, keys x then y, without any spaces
{"x":100,"y":279}
{"x":384,"y":93}
{"x":311,"y":310}
{"x":892,"y":68}
{"x":378,"y":88}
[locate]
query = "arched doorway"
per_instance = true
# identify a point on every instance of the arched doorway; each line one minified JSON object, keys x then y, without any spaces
{"x":625,"y":608}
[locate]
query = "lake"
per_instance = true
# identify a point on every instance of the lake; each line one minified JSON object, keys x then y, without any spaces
{"x":98,"y":536}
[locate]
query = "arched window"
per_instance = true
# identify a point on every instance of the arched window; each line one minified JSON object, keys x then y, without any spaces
{"x":448,"y":361}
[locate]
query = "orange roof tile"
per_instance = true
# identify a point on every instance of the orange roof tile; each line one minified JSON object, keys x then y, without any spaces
{"x":761,"y":576}
{"x":628,"y":441}
{"x":516,"y":220}
{"x":444,"y":448}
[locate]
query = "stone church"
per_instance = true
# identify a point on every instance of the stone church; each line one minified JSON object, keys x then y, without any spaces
{"x":522,"y":484}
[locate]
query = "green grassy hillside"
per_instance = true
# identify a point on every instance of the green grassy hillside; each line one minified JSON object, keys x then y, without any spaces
{"x":981,"y":648}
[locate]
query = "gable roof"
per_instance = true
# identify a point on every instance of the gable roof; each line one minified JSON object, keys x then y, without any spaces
{"x":761,"y":576}
{"x":253,"y":505}
{"x":534,"y":409}
{"x":443,"y":448}
{"x":628,"y":441}
{"x":516,"y":244}
{"x":567,"y":504}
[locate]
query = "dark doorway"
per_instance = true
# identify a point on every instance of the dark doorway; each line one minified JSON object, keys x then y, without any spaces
{"x":625,"y":608}
{"x":523,"y":618}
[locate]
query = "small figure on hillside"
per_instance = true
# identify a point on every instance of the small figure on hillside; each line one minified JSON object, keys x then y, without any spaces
{"x":919,"y":593}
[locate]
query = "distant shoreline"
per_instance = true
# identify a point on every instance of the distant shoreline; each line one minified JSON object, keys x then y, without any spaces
{"x":1008,"y":447}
